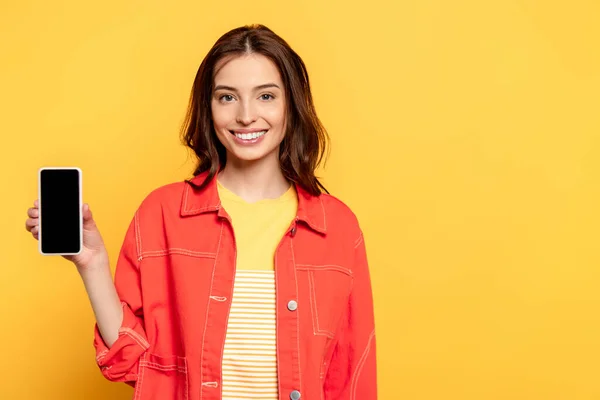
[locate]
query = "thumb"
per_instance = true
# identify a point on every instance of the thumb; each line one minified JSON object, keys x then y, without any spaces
{"x":88,"y":219}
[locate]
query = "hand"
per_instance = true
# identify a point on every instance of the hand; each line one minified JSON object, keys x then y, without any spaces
{"x":93,"y":254}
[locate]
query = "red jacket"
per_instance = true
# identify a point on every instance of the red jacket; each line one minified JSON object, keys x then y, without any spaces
{"x":175,"y":275}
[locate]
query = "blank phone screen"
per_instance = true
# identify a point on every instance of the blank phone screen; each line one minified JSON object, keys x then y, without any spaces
{"x":60,"y":211}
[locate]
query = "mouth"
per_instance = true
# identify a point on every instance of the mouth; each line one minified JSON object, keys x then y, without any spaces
{"x":249,"y":136}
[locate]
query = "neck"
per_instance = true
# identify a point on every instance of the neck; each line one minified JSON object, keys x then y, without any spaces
{"x":254,"y":180}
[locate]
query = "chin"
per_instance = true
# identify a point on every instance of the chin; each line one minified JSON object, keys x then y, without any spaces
{"x":253,"y":153}
{"x":248,"y":156}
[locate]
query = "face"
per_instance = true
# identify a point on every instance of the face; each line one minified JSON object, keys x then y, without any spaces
{"x":248,"y":108}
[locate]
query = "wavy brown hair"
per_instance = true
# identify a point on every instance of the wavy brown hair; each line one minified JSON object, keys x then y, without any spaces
{"x":306,"y":140}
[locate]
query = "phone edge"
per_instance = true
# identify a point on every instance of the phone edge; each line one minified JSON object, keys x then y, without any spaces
{"x":80,"y":183}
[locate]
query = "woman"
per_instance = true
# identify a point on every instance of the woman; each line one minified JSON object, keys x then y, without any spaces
{"x":246,"y":281}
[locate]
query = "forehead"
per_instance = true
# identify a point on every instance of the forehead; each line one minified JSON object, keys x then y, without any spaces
{"x":247,"y":70}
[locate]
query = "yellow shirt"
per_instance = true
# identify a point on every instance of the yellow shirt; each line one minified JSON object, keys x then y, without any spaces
{"x":259,"y":227}
{"x":249,"y":353}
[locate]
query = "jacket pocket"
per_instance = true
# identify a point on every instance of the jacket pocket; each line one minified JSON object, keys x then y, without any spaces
{"x":162,"y":378}
{"x":328,"y":290}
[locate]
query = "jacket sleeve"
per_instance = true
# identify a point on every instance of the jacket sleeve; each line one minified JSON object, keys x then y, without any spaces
{"x":119,"y":363}
{"x":352,"y":373}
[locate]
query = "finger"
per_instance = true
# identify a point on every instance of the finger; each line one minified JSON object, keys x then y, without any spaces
{"x":31,"y":223}
{"x":33,"y":213}
{"x":36,"y":204}
{"x":88,"y":218}
{"x":36,"y":236}
{"x":35,"y":231}
{"x":87,"y":212}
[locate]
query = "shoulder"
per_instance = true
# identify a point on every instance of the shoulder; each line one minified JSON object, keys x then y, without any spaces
{"x":167,"y":196}
{"x":340,"y":215}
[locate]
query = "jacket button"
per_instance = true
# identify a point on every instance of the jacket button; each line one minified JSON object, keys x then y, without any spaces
{"x":293,"y":231}
{"x":292,"y":305}
{"x":295,"y":395}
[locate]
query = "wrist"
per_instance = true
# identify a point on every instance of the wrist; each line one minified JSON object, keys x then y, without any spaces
{"x":98,"y":264}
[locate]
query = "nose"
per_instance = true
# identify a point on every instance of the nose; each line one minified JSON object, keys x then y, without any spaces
{"x":246,"y":113}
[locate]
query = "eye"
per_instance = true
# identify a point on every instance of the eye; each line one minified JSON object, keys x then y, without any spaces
{"x":266,"y":96}
{"x":226,"y":98}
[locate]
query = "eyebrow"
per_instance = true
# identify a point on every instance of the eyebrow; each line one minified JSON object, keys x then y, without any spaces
{"x":260,"y":87}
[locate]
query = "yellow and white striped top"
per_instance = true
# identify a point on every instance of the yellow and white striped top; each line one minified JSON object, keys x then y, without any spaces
{"x":249,"y":354}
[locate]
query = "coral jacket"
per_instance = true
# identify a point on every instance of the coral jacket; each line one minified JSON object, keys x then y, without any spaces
{"x":175,"y":275}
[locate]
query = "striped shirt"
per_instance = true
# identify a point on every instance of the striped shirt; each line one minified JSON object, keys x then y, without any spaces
{"x":249,"y":355}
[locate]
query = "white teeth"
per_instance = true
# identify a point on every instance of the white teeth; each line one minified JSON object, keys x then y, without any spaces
{"x":250,"y":136}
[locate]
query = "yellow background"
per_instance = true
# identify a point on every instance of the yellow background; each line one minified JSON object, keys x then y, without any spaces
{"x":466,"y":137}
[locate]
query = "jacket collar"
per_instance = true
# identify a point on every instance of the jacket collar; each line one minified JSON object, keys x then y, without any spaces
{"x":194,"y":202}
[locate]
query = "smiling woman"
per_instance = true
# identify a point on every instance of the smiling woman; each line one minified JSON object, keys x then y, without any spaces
{"x":249,"y":115}
{"x":248,"y":280}
{"x":253,"y":82}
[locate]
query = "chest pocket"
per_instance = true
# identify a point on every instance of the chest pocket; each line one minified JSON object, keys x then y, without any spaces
{"x":328,"y":288}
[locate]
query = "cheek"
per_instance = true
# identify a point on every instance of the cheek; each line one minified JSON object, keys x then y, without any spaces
{"x":276,"y":117}
{"x":220,"y":117}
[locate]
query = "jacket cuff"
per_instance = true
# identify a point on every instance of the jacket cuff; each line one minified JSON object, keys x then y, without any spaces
{"x":119,"y":362}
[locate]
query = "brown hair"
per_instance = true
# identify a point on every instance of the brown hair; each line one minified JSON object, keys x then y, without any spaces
{"x":305,"y":141}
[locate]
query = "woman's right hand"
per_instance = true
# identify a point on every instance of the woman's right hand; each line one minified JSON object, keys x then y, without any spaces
{"x":92,"y":255}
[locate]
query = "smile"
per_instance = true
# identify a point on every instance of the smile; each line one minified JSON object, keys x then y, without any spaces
{"x":248,"y":136}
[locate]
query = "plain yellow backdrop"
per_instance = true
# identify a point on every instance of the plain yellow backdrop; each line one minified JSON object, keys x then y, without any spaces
{"x":465,"y":136}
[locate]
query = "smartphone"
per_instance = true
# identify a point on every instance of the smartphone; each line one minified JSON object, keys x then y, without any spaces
{"x":60,"y":214}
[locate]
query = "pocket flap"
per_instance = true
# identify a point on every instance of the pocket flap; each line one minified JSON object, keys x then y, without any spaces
{"x":164,"y":363}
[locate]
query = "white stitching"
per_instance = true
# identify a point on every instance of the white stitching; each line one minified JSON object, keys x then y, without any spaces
{"x":138,"y":236}
{"x":138,"y":392}
{"x":324,"y":217}
{"x":180,"y":369}
{"x":212,"y":280}
{"x":297,"y":323}
{"x":165,"y":368}
{"x":330,"y":334}
{"x":185,"y":197}
{"x":187,"y":211}
{"x":142,"y":340}
{"x":182,"y":249}
{"x":176,"y":250}
{"x":186,"y":381}
{"x":322,"y":332}
{"x":277,"y":322}
{"x":360,"y":364}
{"x":211,"y":384}
{"x":212,"y":208}
{"x":135,"y":339}
{"x":153,"y":363}
{"x":218,"y":298}
{"x":358,"y":241}
{"x":334,"y":267}
{"x":312,"y":303}
{"x":231,"y":293}
{"x":101,"y":355}
{"x":322,"y":382}
{"x":135,"y":336}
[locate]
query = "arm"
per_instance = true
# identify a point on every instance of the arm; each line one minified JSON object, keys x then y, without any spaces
{"x":352,"y":373}
{"x":120,"y":342}
{"x":105,"y":302}
{"x":119,"y":335}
